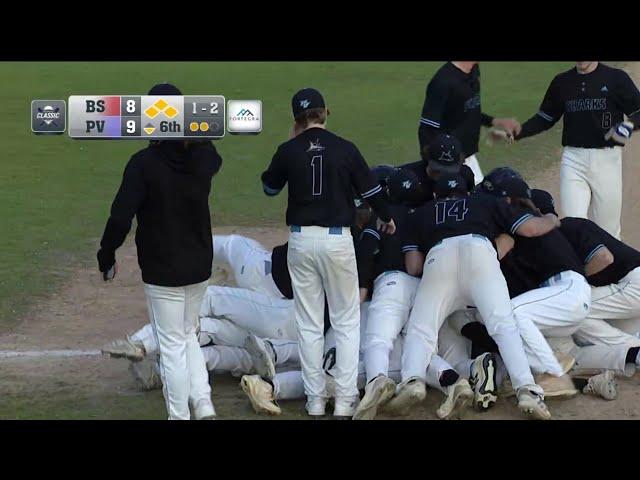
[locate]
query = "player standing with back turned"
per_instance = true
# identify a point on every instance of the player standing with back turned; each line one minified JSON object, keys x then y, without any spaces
{"x":593,"y":99}
{"x":323,"y":170}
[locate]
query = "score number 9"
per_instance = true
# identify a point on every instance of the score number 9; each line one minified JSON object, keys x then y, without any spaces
{"x":131,"y":126}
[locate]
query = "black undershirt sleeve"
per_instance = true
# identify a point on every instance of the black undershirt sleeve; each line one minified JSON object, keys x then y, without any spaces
{"x":551,"y":110}
{"x":124,"y":207}
{"x":275,"y":177}
{"x":365,"y":253}
{"x":435,"y":102}
{"x":486,"y":120}
{"x":365,"y":183}
{"x":629,"y":97}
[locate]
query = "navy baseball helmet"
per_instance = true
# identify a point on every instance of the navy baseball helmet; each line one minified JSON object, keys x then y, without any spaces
{"x":544,"y":201}
{"x":449,"y":184}
{"x":497,"y":177}
{"x":404,"y":186}
{"x":444,"y":154}
{"x":382,"y":173}
{"x":164,"y":89}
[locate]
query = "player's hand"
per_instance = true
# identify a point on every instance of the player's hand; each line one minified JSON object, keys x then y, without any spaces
{"x":509,"y":125}
{"x":620,"y":133}
{"x":388,"y":228}
{"x":500,"y":136}
{"x":110,"y":274}
{"x":554,"y":218}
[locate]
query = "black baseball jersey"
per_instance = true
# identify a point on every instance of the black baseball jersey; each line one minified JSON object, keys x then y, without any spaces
{"x":536,"y":259}
{"x":590,"y":104}
{"x":479,"y":214}
{"x":378,"y":252}
{"x":428,"y":183}
{"x":452,"y":105}
{"x":280,"y":270}
{"x":322,"y":170}
{"x":587,"y":238}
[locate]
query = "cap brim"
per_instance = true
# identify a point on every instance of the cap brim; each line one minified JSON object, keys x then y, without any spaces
{"x":439,"y":167}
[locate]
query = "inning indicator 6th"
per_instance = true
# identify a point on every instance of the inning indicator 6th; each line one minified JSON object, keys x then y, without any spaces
{"x":146,"y":117}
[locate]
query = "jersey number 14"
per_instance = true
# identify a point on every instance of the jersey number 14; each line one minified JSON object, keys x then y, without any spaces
{"x":457,"y":210}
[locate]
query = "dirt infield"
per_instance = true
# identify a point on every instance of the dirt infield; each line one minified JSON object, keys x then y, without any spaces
{"x":86,"y":313}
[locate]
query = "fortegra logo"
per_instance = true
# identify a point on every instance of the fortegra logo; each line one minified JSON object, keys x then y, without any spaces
{"x":244,"y":112}
{"x":244,"y":115}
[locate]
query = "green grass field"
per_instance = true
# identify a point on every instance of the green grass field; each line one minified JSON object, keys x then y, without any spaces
{"x":55,"y":193}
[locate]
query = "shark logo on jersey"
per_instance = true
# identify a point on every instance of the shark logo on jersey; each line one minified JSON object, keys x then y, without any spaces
{"x":604,"y":89}
{"x":315,"y":147}
{"x":304,"y":103}
{"x":406,"y":184}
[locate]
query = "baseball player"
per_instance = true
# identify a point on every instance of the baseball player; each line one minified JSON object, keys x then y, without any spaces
{"x":452,"y":105}
{"x":456,"y":233}
{"x":253,"y":266}
{"x":322,"y":171}
{"x":593,"y":99}
{"x":609,"y":335}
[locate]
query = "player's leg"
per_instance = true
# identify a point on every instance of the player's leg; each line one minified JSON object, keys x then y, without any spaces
{"x":231,"y":250}
{"x":221,"y":331}
{"x":200,"y":390}
{"x":222,"y":359}
{"x":605,"y":178}
{"x":166,"y":311}
{"x":263,"y":315}
{"x":474,"y":165}
{"x":309,"y":317}
{"x":337,"y":265}
{"x":134,"y":347}
{"x":575,"y":192}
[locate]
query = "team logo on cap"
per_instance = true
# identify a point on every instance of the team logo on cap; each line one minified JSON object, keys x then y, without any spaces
{"x":453,"y":183}
{"x":407,"y":184}
{"x":304,"y":103}
{"x":446,"y":156}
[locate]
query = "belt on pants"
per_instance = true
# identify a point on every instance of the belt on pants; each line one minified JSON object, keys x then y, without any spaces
{"x":332,"y":230}
{"x":474,"y":235}
{"x":566,"y":275}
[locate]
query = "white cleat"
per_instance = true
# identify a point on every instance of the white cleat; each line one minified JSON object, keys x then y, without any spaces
{"x":409,"y":393}
{"x":316,"y":406}
{"x":261,"y":395}
{"x":459,"y":396}
{"x":263,"y":355}
{"x":125,"y":348}
{"x":531,"y":403}
{"x":345,"y":406}
{"x":376,"y":393}
{"x":145,"y":374}
{"x":602,"y":385}
{"x":203,"y":410}
{"x":483,"y":381}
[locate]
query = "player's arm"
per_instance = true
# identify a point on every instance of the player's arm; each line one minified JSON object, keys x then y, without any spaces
{"x":365,"y":253}
{"x":519,"y":221}
{"x":433,"y":109}
{"x":274,"y":178}
{"x":207,"y":150}
{"x":629,"y":97}
{"x":551,"y":110}
{"x":586,"y":239}
{"x":365,"y":183}
{"x":124,"y":207}
{"x":504,"y":244}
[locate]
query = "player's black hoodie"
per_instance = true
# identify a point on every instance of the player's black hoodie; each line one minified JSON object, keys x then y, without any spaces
{"x":166,"y":186}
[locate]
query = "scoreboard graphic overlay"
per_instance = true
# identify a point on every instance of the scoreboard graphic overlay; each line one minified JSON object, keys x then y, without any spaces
{"x":146,"y":117}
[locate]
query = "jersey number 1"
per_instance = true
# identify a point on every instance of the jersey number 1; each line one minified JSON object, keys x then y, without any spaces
{"x":316,"y":165}
{"x":457,"y":210}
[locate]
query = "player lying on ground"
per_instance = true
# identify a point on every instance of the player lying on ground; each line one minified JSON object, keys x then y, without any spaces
{"x":456,"y":234}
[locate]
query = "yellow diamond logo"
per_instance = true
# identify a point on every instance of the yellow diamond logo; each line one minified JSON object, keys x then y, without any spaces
{"x":160,"y":104}
{"x":170,"y":112}
{"x":151,"y":112}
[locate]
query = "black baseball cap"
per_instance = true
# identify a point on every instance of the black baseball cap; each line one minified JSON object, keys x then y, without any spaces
{"x":444,"y":154}
{"x":513,"y":187}
{"x":544,"y":201}
{"x":164,"y":89}
{"x":306,"y":99}
{"x":449,"y":183}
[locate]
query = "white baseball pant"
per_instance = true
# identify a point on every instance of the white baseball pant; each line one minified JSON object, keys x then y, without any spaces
{"x":237,"y":360}
{"x":174,"y":315}
{"x":263,"y":315}
{"x":322,"y":262}
{"x":461,"y":271}
{"x":249,"y":261}
{"x":391,"y":302}
{"x":474,"y":165}
{"x":591,"y":185}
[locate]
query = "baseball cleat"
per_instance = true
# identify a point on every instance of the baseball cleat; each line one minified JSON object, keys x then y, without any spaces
{"x":531,"y":403}
{"x":556,"y":387}
{"x":483,"y":381}
{"x":127,"y":348}
{"x":345,"y":406}
{"x":316,"y":406}
{"x":603,"y":385}
{"x":376,"y":393}
{"x":458,"y":398}
{"x":203,"y":410}
{"x":408,"y":393}
{"x":145,"y":374}
{"x":263,"y":356}
{"x":261,"y":395}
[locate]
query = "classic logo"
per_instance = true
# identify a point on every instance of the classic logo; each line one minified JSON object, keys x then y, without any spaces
{"x":48,"y":115}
